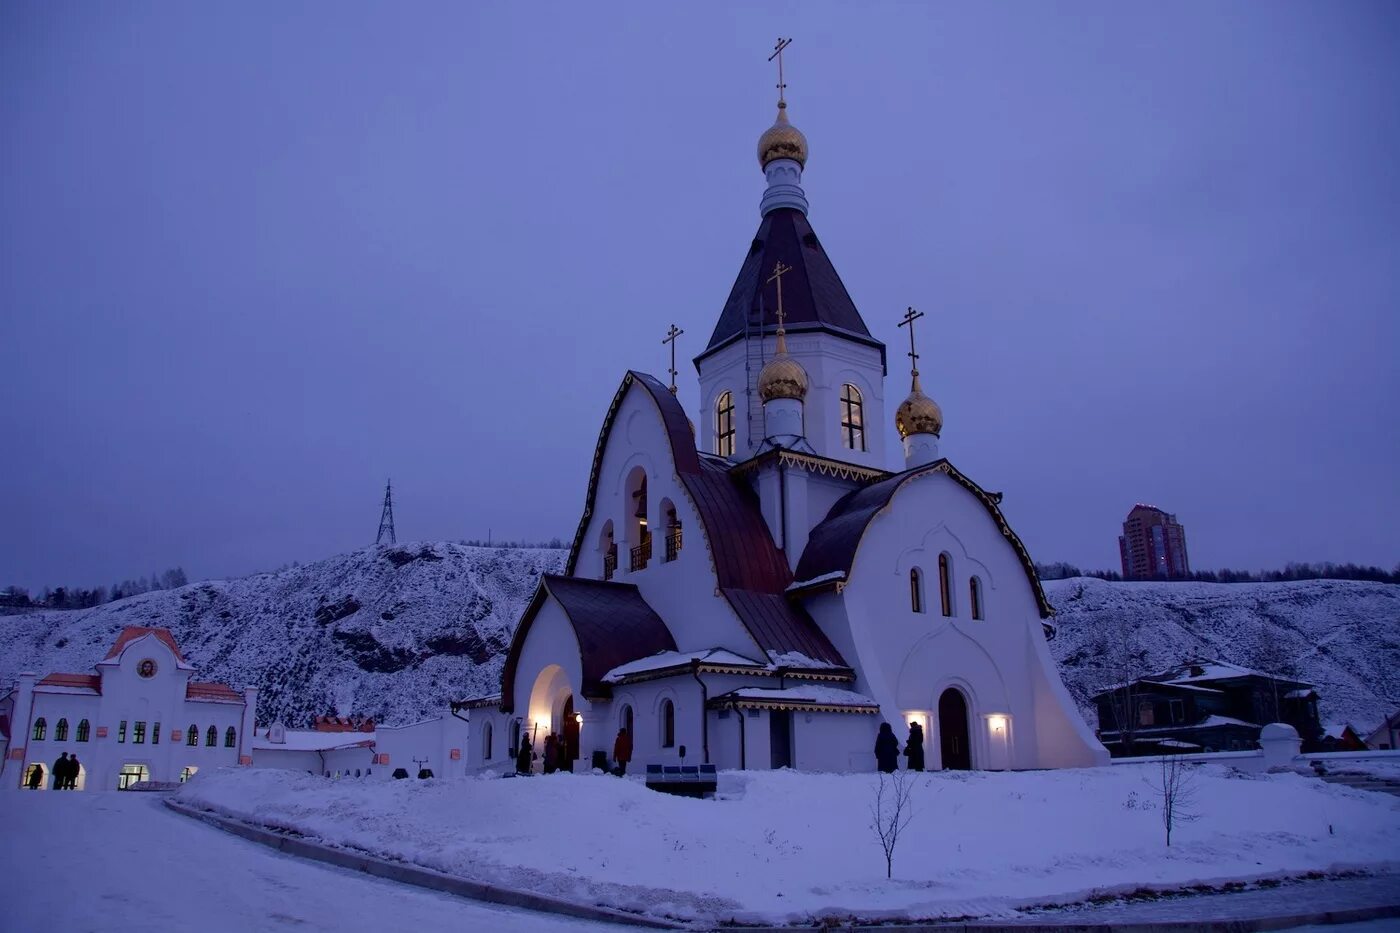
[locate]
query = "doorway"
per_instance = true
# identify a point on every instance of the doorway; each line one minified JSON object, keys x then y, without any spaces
{"x":132,"y":774}
{"x":780,"y":737}
{"x":953,"y":731}
{"x":570,"y":736}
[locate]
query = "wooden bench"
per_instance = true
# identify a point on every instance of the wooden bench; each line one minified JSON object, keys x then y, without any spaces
{"x":682,"y":780}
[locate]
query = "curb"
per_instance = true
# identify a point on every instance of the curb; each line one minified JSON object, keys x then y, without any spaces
{"x":406,"y":873}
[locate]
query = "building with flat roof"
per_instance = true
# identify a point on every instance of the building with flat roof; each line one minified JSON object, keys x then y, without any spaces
{"x":1153,"y":544}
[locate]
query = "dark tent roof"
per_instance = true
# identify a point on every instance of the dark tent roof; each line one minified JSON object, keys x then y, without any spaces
{"x":814,"y":297}
{"x":613,"y":624}
{"x":831,"y":547}
{"x":752,"y":574}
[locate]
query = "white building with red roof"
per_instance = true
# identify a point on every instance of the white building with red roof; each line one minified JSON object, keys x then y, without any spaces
{"x":141,"y":717}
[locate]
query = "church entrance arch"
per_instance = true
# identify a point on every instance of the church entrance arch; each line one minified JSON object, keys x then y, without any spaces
{"x":953,"y":730}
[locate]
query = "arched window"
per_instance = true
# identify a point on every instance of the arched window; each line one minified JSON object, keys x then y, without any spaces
{"x":41,"y":729}
{"x":231,"y":738}
{"x":945,"y":583}
{"x":852,"y":418}
{"x":192,"y":736}
{"x":916,"y":589}
{"x":186,"y":774}
{"x":60,"y":731}
{"x":514,"y":736}
{"x":608,"y":546}
{"x":668,"y":724}
{"x":724,"y":424}
{"x":486,"y":741}
{"x":974,"y":593}
{"x":624,"y":721}
{"x":155,"y":734}
{"x":211,"y":738}
{"x":83,"y":730}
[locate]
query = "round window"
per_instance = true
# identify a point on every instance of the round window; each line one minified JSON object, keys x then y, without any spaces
{"x":146,"y":668}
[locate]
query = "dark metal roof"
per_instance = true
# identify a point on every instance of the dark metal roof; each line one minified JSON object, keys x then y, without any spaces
{"x":831,"y":547}
{"x":613,"y":624}
{"x":750,"y":571}
{"x":814,"y":297}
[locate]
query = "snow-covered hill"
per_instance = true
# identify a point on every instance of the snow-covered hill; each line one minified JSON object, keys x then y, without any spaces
{"x":391,"y":632}
{"x":1342,"y":635}
{"x":396,"y":632}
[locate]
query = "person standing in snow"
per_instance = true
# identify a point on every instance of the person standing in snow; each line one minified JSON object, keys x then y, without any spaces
{"x":551,"y":754}
{"x":36,"y":777}
{"x":886,"y":749}
{"x":622,"y":751}
{"x":60,"y":772}
{"x":73,"y":767}
{"x":522,"y":757}
{"x":914,"y":748}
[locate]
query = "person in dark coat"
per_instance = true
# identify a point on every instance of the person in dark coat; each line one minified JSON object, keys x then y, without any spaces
{"x":622,"y":751}
{"x":60,"y":772}
{"x":73,"y":768}
{"x":886,"y":749}
{"x":36,"y":777}
{"x":914,"y":748}
{"x":551,"y":754}
{"x":524,"y":756}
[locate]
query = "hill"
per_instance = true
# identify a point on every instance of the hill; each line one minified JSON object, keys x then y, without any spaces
{"x":389,"y":632}
{"x":396,"y":632}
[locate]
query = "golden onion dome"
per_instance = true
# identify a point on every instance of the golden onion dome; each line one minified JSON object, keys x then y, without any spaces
{"x":783,"y":377}
{"x":782,"y":140}
{"x":918,"y":414}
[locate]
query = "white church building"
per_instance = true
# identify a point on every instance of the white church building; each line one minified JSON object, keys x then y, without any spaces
{"x":759,"y":588}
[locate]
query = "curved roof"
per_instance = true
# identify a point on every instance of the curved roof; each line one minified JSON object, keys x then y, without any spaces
{"x":832,"y":545}
{"x":613,"y":624}
{"x":133,"y":632}
{"x":814,"y":297}
{"x":750,"y":571}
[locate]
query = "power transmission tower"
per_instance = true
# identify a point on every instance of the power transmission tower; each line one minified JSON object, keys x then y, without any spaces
{"x":386,"y":519}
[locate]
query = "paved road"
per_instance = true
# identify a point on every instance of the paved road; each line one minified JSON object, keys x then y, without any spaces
{"x":117,"y":862}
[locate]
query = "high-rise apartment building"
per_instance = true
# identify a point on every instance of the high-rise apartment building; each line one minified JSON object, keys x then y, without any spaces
{"x":1153,"y":544}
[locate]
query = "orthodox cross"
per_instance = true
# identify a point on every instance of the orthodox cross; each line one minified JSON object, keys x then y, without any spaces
{"x":779,"y":271}
{"x":670,"y":338}
{"x":778,"y":54}
{"x":910,"y":316}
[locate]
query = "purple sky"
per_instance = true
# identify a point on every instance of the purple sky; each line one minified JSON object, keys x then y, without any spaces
{"x":256,"y":258}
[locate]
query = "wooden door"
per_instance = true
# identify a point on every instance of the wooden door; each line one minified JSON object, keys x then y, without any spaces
{"x":953,"y":731}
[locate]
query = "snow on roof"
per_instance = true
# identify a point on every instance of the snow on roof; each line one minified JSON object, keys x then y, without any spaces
{"x":309,"y":740}
{"x":831,"y":577}
{"x":1176,"y":743}
{"x":1335,"y":730}
{"x":408,"y":725}
{"x":212,"y":693}
{"x":804,"y":695}
{"x":1176,"y":686}
{"x":1212,"y":670}
{"x":1299,"y":694}
{"x":1212,"y":720}
{"x":667,"y":659}
{"x":795,"y":659}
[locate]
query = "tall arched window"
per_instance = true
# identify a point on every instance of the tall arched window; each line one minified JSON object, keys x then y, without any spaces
{"x":60,"y":731}
{"x":192,"y":736}
{"x":83,"y":730}
{"x":668,"y":724}
{"x":945,"y":584}
{"x":231,"y":738}
{"x":625,"y":720}
{"x":41,"y":729}
{"x":852,"y":418}
{"x":486,"y":741}
{"x":155,"y":734}
{"x":211,"y":738}
{"x":916,"y":589}
{"x":974,"y":594}
{"x":724,"y":424}
{"x":514,"y":736}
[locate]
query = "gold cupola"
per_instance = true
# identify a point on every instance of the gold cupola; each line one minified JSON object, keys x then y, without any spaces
{"x":782,"y":140}
{"x":918,"y":414}
{"x":783,"y":376}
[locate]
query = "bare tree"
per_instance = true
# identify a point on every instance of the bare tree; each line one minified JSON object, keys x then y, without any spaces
{"x":1175,"y":787}
{"x":891,"y":812}
{"x":1125,"y":661}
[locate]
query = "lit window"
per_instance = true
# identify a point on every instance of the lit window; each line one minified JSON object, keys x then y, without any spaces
{"x":192,"y":736}
{"x":945,"y":585}
{"x":121,"y":731}
{"x":724,"y":425}
{"x":668,"y":724}
{"x":1145,"y":714}
{"x":41,"y":729}
{"x":138,"y":733}
{"x":186,"y":774}
{"x":231,"y":738}
{"x":60,"y":731}
{"x":83,"y":730}
{"x":916,"y":590}
{"x":974,"y":592}
{"x":211,"y":738}
{"x":852,"y":418}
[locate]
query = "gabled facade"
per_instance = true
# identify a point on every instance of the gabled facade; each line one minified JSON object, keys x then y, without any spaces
{"x":141,"y":717}
{"x":760,"y":589}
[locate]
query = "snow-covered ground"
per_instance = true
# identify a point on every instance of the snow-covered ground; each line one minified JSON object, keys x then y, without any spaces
{"x":785,"y":846}
{"x":122,"y":862}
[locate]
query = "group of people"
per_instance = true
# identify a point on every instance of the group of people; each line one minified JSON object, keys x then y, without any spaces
{"x":65,"y":774}
{"x":555,"y":755}
{"x":887,"y":749}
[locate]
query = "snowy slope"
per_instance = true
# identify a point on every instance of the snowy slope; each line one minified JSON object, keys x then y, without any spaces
{"x":386,"y":632}
{"x":1343,"y":636}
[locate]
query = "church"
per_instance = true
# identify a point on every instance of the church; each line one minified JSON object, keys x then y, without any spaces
{"x":758,"y":588}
